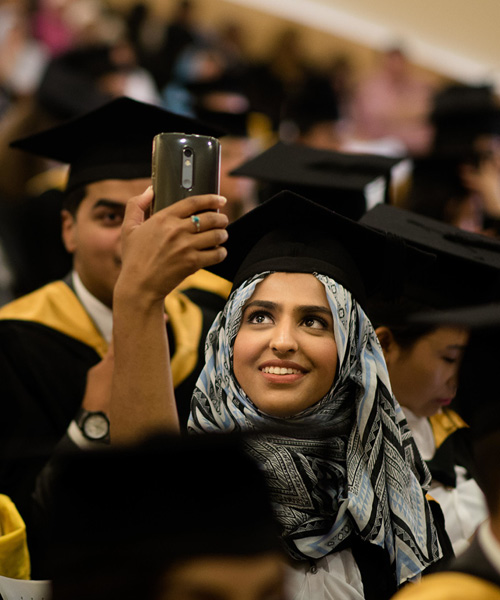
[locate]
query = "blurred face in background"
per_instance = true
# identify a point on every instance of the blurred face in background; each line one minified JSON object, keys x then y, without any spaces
{"x":424,"y":375}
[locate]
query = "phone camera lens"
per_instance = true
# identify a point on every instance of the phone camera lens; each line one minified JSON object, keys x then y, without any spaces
{"x":188,"y":152}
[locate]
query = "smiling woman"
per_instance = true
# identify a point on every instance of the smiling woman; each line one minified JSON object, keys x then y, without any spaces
{"x":285,"y":355}
{"x":293,"y":357}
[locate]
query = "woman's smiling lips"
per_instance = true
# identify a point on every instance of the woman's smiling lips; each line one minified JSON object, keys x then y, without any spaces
{"x":282,"y":371}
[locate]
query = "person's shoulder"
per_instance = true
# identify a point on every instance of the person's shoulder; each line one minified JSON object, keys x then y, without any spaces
{"x":26,"y":306}
{"x":449,"y":586}
{"x":52,"y":312}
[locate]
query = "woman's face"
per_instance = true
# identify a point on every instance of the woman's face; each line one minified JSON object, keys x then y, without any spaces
{"x":424,"y":376}
{"x":285,"y":355}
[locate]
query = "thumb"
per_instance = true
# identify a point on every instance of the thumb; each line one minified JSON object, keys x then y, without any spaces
{"x":136,"y":209}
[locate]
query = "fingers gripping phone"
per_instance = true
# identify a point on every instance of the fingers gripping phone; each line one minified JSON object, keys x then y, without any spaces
{"x":184,"y":165}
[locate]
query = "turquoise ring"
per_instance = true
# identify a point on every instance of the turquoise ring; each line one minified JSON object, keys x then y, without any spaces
{"x":196,"y":221}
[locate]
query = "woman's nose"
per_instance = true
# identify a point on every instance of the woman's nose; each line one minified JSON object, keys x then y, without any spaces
{"x":283,"y":338}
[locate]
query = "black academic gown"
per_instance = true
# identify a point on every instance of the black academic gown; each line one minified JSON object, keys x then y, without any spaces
{"x":47,"y":345}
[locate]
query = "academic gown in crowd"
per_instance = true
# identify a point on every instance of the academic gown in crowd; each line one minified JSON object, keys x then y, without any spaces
{"x":48,"y":343}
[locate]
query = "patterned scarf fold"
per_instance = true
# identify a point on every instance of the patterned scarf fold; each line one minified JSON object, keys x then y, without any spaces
{"x":347,"y":465}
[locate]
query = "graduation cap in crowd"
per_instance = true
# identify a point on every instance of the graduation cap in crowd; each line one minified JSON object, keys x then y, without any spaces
{"x":222,"y":103}
{"x":477,"y":398}
{"x":113,"y":141}
{"x":349,"y":184}
{"x":435,"y":181}
{"x":467,"y":266}
{"x":461,"y":113}
{"x":314,"y":102}
{"x":71,"y":82}
{"x":289,"y":233}
{"x":123,"y":515}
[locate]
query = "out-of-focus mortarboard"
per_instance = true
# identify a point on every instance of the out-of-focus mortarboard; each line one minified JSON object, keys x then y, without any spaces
{"x":70,"y":84}
{"x":289,"y":233}
{"x":477,"y":397}
{"x":234,"y":124}
{"x":131,"y":512}
{"x":435,"y":181}
{"x":467,"y":266}
{"x":113,"y":141}
{"x":222,"y":103}
{"x":460,"y":113}
{"x":314,"y":102}
{"x":349,"y":184}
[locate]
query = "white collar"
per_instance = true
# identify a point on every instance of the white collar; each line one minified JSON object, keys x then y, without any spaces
{"x":421,"y":430}
{"x":98,"y":312}
{"x":489,"y":544}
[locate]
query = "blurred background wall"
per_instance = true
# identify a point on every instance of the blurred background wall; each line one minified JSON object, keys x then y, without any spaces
{"x":456,"y":39}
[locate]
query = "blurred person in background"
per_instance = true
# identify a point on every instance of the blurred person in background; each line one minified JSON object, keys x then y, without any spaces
{"x":458,"y":181}
{"x":390,"y":106}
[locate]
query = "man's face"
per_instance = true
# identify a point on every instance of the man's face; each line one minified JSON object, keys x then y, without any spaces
{"x":93,"y":235}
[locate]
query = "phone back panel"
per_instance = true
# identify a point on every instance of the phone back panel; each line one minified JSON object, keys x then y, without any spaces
{"x":184,"y":165}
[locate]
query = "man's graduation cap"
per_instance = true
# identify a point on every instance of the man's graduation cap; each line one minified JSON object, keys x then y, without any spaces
{"x":349,"y":184}
{"x":467,"y":266}
{"x":289,"y":233}
{"x":113,"y":141}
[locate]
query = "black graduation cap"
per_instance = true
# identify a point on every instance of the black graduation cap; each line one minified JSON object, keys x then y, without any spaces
{"x":460,"y":113}
{"x":113,"y":141}
{"x":435,"y":180}
{"x":289,"y":233}
{"x":70,"y":83}
{"x":234,"y":124}
{"x":467,"y":267}
{"x":313,"y":102}
{"x":346,"y":183}
{"x":477,"y":399}
{"x":166,"y":499}
{"x":223,"y":103}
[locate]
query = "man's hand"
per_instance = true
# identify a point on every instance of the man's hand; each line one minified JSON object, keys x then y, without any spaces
{"x":99,"y":378}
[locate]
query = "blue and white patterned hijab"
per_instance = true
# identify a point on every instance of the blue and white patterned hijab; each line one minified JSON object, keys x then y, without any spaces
{"x":347,"y":465}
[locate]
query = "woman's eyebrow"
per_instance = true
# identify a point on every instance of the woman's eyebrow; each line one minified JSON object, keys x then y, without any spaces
{"x":315,"y":308}
{"x":303,"y":308}
{"x":261,"y":304}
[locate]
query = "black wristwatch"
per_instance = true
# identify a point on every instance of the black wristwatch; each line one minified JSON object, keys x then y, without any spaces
{"x":93,"y":424}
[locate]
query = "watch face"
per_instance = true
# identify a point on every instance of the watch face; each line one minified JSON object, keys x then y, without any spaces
{"x":96,"y":427}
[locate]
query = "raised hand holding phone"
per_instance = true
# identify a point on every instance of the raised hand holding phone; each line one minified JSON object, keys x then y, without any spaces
{"x":159,"y":252}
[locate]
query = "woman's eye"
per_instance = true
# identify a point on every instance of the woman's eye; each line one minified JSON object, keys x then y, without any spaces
{"x":314,"y":323}
{"x":259,"y":318}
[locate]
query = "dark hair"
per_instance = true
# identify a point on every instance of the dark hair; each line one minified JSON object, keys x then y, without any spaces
{"x":72,"y":200}
{"x":394,"y":314}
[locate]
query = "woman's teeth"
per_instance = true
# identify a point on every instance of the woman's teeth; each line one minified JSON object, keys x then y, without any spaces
{"x":280,"y":371}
